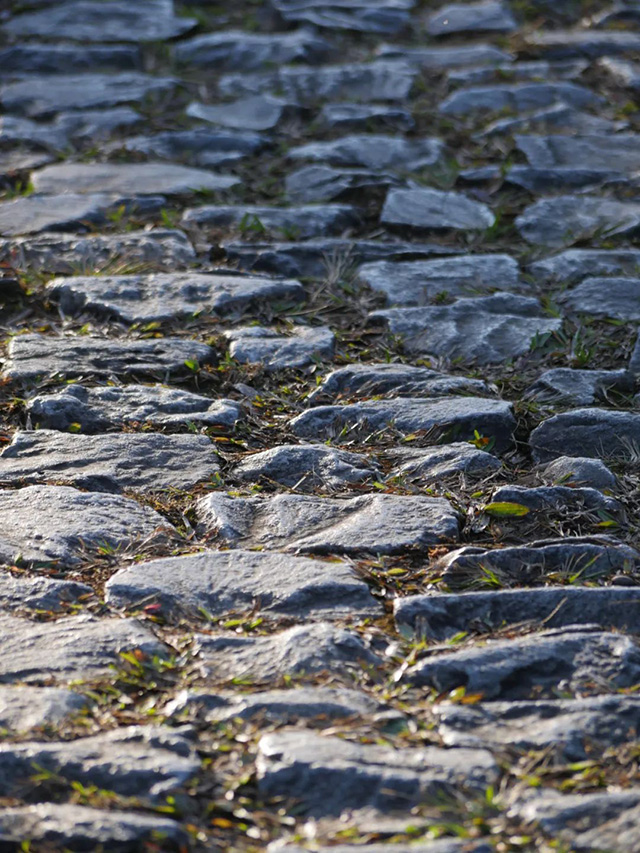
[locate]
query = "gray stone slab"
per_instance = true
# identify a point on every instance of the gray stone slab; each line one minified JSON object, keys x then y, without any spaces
{"x":588,"y":43}
{"x":578,"y":659}
{"x":595,"y":433}
{"x":39,"y":96}
{"x":321,"y":183}
{"x":14,"y":129}
{"x":24,"y":708}
{"x":221,"y":582}
{"x":72,"y":827}
{"x":33,"y":58}
{"x":442,"y":58}
{"x":481,"y":330}
{"x":455,"y":417}
{"x":95,"y":21}
{"x":619,"y":835}
{"x":529,"y":70}
{"x":432,"y":464}
{"x":365,"y":117}
{"x":60,"y":525}
{"x":385,"y":17}
{"x":307,"y":467}
{"x":579,"y":471}
{"x":418,"y":282}
{"x":619,"y":153}
{"x":562,"y":221}
{"x":109,"y":463}
{"x":440,"y":616}
{"x":397,"y":380}
{"x":517,"y":97}
{"x":575,"y":264}
{"x":73,"y":254}
{"x":487,"y":16}
{"x":382,"y":80}
{"x":618,"y":298}
{"x":582,"y":558}
{"x":558,"y":117}
{"x":542,"y":181}
{"x":19,"y":160}
{"x":435,"y":210}
{"x":36,"y":356}
{"x":299,"y":222}
{"x":257,"y":112}
{"x":328,"y":775}
{"x":622,"y":72}
{"x":134,"y":178}
{"x":571,"y":387}
{"x":98,"y":409}
{"x":238,"y":50}
{"x":303,"y":650}
{"x":80,"y":647}
{"x":547,"y":498}
{"x":39,"y":593}
{"x":94,"y":125}
{"x":376,"y":524}
{"x":373,"y":151}
{"x":200,"y":147}
{"x":273,"y":350}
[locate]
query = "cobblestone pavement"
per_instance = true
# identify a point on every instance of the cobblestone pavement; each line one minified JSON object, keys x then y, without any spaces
{"x":320,"y":425}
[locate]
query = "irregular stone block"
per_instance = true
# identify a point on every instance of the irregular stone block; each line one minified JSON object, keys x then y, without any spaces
{"x":24,"y":708}
{"x":237,"y":50}
{"x":300,"y":221}
{"x":385,"y":17}
{"x":258,"y":112}
{"x":570,"y":387}
{"x":623,"y":73}
{"x":39,"y":593}
{"x":532,"y":70}
{"x":618,"y":298}
{"x":558,"y":117}
{"x":199,"y":147}
{"x":57,"y":524}
{"x":373,"y":151}
{"x":548,"y":498}
{"x":378,"y":524}
{"x":12,"y":162}
{"x":445,"y":57}
{"x":569,"y":219}
{"x":274,"y":351}
{"x":320,"y":183}
{"x":347,"y":116}
{"x":94,"y":125}
{"x":435,"y":210}
{"x":29,"y":58}
{"x":432,"y":464}
{"x":17,"y":129}
{"x":617,"y":153}
{"x":517,"y":97}
{"x":595,"y":433}
{"x":590,"y":43}
{"x":540,"y":181}
{"x":487,"y":16}
{"x":579,"y":471}
{"x":575,"y":264}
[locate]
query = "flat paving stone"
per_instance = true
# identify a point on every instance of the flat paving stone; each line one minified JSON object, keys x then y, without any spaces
{"x":30,"y":58}
{"x":378,"y":524}
{"x":618,"y":153}
{"x":67,"y":254}
{"x":435,"y":210}
{"x":221,"y":582}
{"x":480,"y":330}
{"x":302,"y":650}
{"x":432,"y":464}
{"x":548,"y":498}
{"x":373,"y":151}
{"x":385,"y":17}
{"x":322,"y":183}
{"x":578,"y":659}
{"x":141,"y":761}
{"x":328,"y":775}
{"x":588,"y":43}
{"x":442,"y":616}
{"x":579,"y":471}
{"x":456,"y":417}
{"x":39,"y":593}
{"x":559,"y":117}
{"x":618,"y":298}
{"x":542,"y":181}
{"x":40,"y":96}
{"x":84,"y":125}
{"x":200,"y":147}
{"x":365,"y":117}
{"x":12,"y":162}
{"x":571,"y":387}
{"x":618,"y":835}
{"x":576,"y":729}
{"x":60,"y":525}
{"x":273,"y":350}
{"x":487,"y":16}
{"x":36,"y":356}
{"x":443,"y":58}
{"x":382,"y":80}
{"x":539,"y":69}
{"x":238,"y":50}
{"x":134,"y":178}
{"x":111,"y":462}
{"x":257,"y":112}
{"x":517,"y":97}
{"x":15,"y":129}
{"x":24,"y":708}
{"x":622,"y":72}
{"x":562,"y":221}
{"x":83,"y":828}
{"x":397,"y":380}
{"x":93,"y":21}
{"x":301,"y":221}
{"x":575,"y":264}
{"x":595,"y":433}
{"x":91,"y":410}
{"x":307,"y":467}
{"x":78,"y":647}
{"x":418,"y":282}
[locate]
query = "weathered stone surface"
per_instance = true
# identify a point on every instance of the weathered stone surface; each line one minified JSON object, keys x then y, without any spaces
{"x":517,"y":97}
{"x":302,"y":650}
{"x":163,"y":296}
{"x":220,"y":582}
{"x":80,"y":647}
{"x":39,"y":593}
{"x":571,"y":219}
{"x":434,"y":210}
{"x":67,"y":254}
{"x":326,"y":776}
{"x":385,"y":17}
{"x":94,"y":21}
{"x":44,"y":95}
{"x":579,"y":471}
{"x":258,"y":112}
{"x":238,"y":50}
{"x":98,"y":409}
{"x":445,"y":57}
{"x":418,"y":282}
{"x":548,"y":498}
{"x":456,"y":417}
{"x":618,"y":298}
{"x":12,"y":162}
{"x":481,"y":330}
{"x":134,"y":178}
{"x":111,"y":462}
{"x":590,"y":43}
{"x":301,"y":221}
{"x":559,"y":117}
{"x":618,"y":835}
{"x":307,"y":467}
{"x":14,"y":129}
{"x":442,"y":845}
{"x":533,"y":70}
{"x":84,"y":125}
{"x":378,"y":524}
{"x":541,"y":181}
{"x":382,"y":80}
{"x":33,"y":356}
{"x":275,"y":351}
{"x":373,"y":151}
{"x":581,"y":659}
{"x":596,"y":433}
{"x":365,"y":117}
{"x":30,"y":58}
{"x":571,"y":387}
{"x":200,"y":147}
{"x":24,"y":708}
{"x":577,"y":729}
{"x":617,"y":153}
{"x":486,"y":16}
{"x":321,"y":183}
{"x":398,"y":380}
{"x":73,"y":827}
{"x":575,"y":264}
{"x":623,"y":73}
{"x":440,"y":616}
{"x":431,"y":464}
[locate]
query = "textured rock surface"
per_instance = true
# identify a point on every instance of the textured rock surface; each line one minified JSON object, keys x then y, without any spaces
{"x":371,"y":151}
{"x":237,"y":50}
{"x":431,"y":464}
{"x":571,"y":387}
{"x":596,"y":433}
{"x":39,"y":593}
{"x":433,"y":210}
{"x":302,"y":221}
{"x":24,"y":708}
{"x":307,"y":467}
{"x":486,"y":16}
{"x":275,"y":351}
{"x":571,"y":219}
{"x":517,"y":97}
{"x":579,"y":471}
